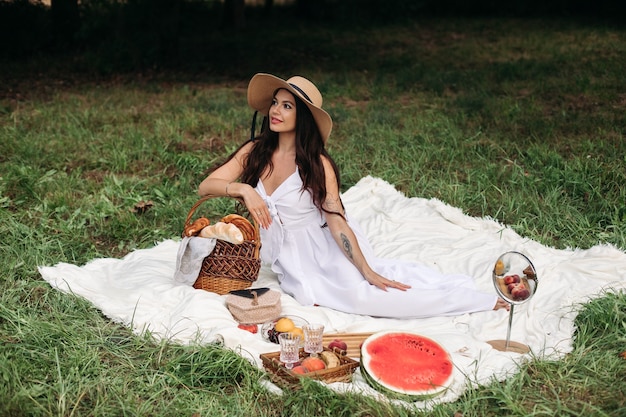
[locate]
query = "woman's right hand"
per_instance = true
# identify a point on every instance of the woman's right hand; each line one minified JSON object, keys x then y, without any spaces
{"x":255,"y":205}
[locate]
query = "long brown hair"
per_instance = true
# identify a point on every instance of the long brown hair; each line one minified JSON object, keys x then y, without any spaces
{"x":309,"y":151}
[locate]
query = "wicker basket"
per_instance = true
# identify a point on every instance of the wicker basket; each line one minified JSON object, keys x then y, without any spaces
{"x":284,"y":378}
{"x":229,"y":266}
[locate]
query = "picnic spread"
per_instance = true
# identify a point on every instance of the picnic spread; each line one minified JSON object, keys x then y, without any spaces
{"x":146,"y":291}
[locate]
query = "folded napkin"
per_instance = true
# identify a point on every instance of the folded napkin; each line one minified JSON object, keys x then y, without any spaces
{"x":191,"y":253}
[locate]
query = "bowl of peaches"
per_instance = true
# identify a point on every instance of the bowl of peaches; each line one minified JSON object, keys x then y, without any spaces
{"x":283,"y":324}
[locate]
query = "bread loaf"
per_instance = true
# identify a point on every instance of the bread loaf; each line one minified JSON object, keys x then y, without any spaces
{"x":247,"y":229}
{"x":223,"y":231}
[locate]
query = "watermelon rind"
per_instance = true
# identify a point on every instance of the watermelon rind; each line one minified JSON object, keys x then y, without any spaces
{"x":396,"y":392}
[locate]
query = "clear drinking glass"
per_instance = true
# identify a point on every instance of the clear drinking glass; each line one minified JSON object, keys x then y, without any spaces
{"x":313,"y":342}
{"x":289,"y":349}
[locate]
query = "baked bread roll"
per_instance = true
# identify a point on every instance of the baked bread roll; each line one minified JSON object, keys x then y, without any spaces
{"x":194,"y":228}
{"x":224,"y":231}
{"x":249,"y":233}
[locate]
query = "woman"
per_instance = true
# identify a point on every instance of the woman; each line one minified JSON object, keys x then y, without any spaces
{"x":290,"y":185}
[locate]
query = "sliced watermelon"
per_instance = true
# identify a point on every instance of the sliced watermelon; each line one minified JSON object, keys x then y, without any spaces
{"x":406,"y":365}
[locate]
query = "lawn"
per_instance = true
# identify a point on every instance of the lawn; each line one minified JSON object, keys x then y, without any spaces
{"x":521,"y":120}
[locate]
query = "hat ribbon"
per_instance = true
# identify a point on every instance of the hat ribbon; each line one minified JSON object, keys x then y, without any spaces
{"x":301,"y":92}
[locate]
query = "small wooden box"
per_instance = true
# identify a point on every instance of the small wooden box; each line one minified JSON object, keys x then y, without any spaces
{"x":284,"y":378}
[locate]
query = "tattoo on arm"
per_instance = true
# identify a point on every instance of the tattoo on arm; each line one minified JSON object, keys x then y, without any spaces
{"x":347,"y":247}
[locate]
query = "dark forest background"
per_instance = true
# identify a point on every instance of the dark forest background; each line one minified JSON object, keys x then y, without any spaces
{"x":112,"y":36}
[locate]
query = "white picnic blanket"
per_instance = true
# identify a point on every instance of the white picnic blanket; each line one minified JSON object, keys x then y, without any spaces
{"x":140,"y":290}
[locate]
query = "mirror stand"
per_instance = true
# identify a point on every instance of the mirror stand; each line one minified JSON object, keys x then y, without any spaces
{"x":515,"y":280}
{"x":508,"y":345}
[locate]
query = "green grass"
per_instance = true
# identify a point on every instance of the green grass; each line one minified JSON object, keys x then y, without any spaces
{"x":520,"y":120}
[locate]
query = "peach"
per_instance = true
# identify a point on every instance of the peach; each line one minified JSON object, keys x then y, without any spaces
{"x":300,"y":370}
{"x":520,"y":293}
{"x":338,"y":344}
{"x":511,"y":279}
{"x":313,"y":364}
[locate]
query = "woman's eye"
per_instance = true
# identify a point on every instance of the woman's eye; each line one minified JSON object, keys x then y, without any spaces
{"x":274,"y":102}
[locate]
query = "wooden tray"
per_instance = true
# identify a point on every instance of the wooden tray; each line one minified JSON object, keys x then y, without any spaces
{"x":353,"y":340}
{"x":287,"y":379}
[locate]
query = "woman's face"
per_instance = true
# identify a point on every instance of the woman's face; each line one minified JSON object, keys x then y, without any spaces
{"x":282,"y":112}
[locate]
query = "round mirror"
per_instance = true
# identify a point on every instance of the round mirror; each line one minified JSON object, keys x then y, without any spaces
{"x":515,"y":277}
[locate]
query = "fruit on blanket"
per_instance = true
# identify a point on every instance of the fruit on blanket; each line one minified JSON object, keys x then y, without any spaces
{"x":338,"y":344}
{"x":297,"y":331}
{"x":272,"y":335}
{"x":252,"y":328}
{"x":313,"y":364}
{"x":519,"y":291}
{"x":511,"y":279}
{"x":284,"y":324}
{"x":300,"y":370}
{"x":330,"y":359}
{"x":406,"y":365}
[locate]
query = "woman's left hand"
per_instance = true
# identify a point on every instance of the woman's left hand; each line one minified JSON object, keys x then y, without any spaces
{"x":383,"y":283}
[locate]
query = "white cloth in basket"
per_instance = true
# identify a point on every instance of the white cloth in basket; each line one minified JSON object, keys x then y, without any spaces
{"x":191,"y":253}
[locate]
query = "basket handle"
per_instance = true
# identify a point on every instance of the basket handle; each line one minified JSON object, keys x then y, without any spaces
{"x":193,"y":209}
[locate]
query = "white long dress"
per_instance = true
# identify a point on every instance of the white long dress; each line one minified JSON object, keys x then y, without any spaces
{"x":312,"y":268}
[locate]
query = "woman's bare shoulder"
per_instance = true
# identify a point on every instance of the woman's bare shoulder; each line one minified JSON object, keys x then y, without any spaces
{"x":243,"y":151}
{"x":247,"y":147}
{"x":327,"y":163}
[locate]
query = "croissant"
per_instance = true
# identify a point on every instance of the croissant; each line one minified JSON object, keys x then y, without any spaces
{"x":223,"y":231}
{"x":249,"y":233}
{"x":194,"y":228}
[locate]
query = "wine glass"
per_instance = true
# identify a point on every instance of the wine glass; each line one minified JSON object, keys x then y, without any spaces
{"x":313,"y":341}
{"x":289,"y":349}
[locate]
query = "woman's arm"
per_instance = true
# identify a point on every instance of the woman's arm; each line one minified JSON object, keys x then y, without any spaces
{"x":223,"y":182}
{"x":344,"y":236}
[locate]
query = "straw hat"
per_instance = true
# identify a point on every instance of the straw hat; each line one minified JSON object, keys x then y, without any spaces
{"x":261,"y":93}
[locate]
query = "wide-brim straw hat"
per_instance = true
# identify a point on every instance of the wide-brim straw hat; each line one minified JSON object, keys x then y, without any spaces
{"x":261,"y":91}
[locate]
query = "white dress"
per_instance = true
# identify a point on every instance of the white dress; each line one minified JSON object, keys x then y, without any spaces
{"x":312,"y":268}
